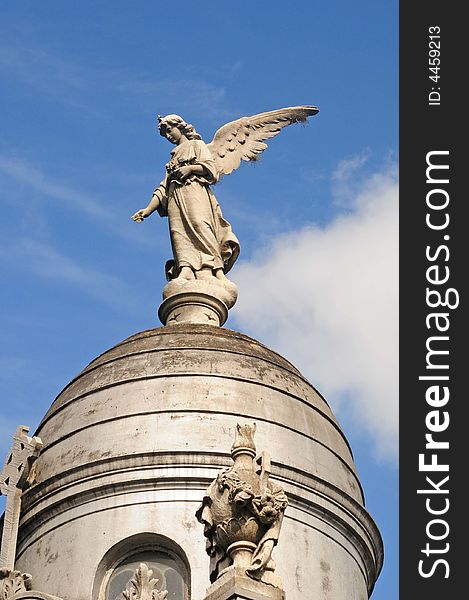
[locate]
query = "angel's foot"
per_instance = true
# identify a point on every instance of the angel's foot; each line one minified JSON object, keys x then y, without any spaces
{"x":186,"y":273}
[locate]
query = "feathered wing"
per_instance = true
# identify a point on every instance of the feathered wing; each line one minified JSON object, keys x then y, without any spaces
{"x":243,"y":139}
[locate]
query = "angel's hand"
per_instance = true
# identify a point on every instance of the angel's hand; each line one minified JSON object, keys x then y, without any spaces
{"x":182,"y":173}
{"x":140,"y":215}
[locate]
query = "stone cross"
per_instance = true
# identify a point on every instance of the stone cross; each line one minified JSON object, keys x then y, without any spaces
{"x":14,"y":479}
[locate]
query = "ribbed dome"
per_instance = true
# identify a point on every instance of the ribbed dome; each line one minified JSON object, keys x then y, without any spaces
{"x":179,"y":373}
{"x":156,"y":415}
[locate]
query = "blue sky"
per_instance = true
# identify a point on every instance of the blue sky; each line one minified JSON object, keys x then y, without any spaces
{"x":81,"y":85}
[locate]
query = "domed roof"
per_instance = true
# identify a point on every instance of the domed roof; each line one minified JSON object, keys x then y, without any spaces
{"x":188,"y":374}
{"x":132,"y":442}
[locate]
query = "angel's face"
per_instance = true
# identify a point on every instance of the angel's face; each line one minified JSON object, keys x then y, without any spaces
{"x":172,"y":133}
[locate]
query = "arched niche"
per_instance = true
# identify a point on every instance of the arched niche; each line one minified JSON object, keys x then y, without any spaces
{"x":162,"y":555}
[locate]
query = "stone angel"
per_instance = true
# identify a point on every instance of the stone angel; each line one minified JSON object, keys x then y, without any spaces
{"x":202,"y":241}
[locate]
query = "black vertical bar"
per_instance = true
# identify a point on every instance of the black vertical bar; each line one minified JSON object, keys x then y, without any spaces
{"x":433,"y":258}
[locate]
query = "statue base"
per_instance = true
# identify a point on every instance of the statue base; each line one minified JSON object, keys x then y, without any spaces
{"x":204,"y":301}
{"x":234,"y":584}
{"x":241,"y":554}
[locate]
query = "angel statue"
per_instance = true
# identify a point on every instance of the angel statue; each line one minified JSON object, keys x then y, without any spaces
{"x":203,"y":243}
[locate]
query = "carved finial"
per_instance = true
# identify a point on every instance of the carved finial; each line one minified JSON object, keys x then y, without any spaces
{"x":143,"y":587}
{"x":242,"y":512}
{"x":244,"y":441}
{"x":16,"y":476}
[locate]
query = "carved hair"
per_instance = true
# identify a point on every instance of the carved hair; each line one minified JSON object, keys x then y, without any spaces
{"x":176,"y":121}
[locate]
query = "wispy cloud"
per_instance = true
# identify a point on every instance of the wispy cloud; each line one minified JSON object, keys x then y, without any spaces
{"x":346,"y":180}
{"x":62,"y":79}
{"x":188,"y":95}
{"x":327,"y":298}
{"x":45,"y":261}
{"x":96,"y":209}
{"x":36,"y":179}
{"x":38,"y":66}
{"x":49,"y":74}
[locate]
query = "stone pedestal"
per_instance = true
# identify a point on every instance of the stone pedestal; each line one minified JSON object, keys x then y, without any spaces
{"x":204,"y":301}
{"x":241,"y":555}
{"x":234,"y":584}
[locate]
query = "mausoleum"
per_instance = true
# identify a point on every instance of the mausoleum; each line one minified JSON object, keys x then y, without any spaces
{"x":187,"y":462}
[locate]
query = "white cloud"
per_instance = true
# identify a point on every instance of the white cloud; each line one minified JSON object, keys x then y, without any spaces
{"x":345,"y":186}
{"x":327,"y":298}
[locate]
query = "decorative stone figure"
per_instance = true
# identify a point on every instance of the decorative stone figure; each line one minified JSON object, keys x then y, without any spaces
{"x":15,"y":585}
{"x":203,"y":243}
{"x":242,"y":512}
{"x":13,"y":582}
{"x":143,"y":586}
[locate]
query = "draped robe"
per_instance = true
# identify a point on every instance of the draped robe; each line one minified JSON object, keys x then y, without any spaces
{"x":200,"y":236}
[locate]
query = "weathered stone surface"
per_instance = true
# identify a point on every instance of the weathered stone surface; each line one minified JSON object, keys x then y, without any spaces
{"x":132,"y":443}
{"x":235,"y":585}
{"x":15,"y":585}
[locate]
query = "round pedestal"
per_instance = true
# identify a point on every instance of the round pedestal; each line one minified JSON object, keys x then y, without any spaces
{"x":204,"y":301}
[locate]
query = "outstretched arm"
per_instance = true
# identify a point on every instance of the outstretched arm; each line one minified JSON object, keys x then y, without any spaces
{"x":154,"y":204}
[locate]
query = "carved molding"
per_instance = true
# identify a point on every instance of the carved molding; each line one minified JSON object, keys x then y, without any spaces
{"x":143,"y":587}
{"x":35,"y":595}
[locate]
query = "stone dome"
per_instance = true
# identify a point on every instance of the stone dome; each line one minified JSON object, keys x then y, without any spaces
{"x":133,"y":441}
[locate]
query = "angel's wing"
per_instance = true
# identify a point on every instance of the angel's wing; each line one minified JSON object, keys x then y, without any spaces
{"x":244,"y":139}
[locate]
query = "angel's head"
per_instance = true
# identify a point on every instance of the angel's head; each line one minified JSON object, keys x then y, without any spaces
{"x":168,"y":124}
